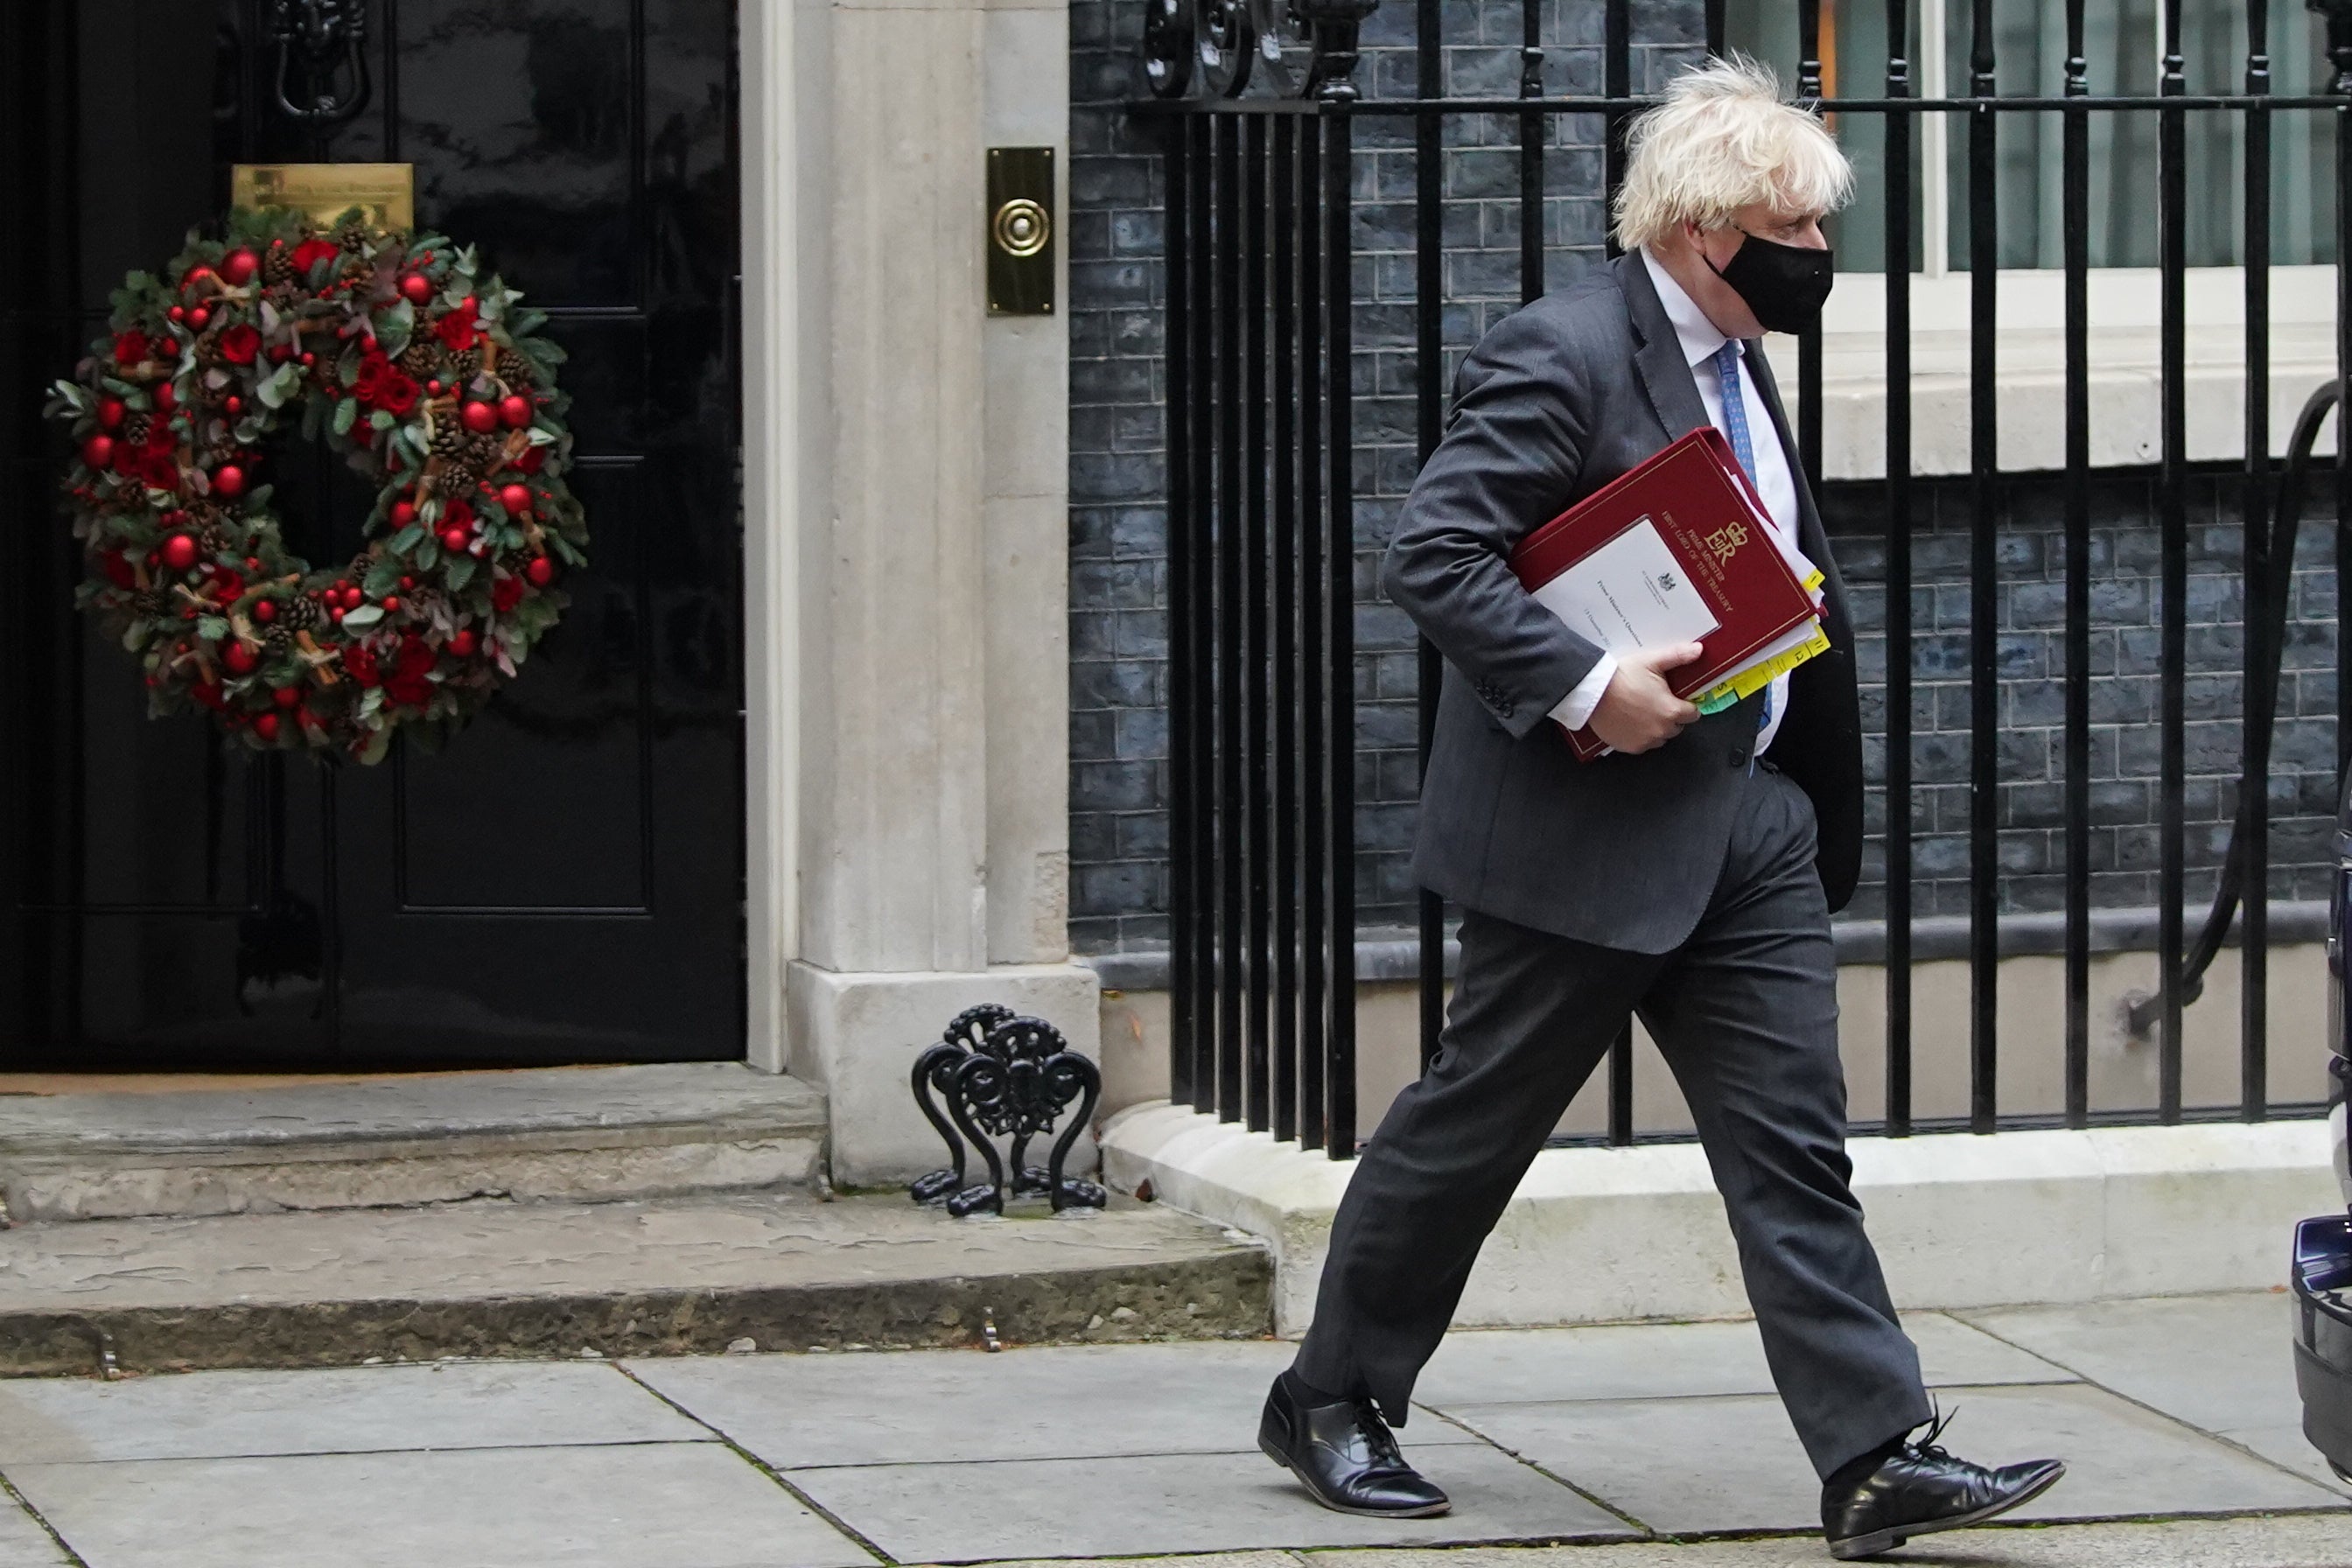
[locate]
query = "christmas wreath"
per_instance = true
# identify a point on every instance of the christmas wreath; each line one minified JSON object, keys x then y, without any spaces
{"x":430,"y":380}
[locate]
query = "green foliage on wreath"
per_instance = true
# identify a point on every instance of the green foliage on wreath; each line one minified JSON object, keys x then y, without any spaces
{"x":431,"y":381}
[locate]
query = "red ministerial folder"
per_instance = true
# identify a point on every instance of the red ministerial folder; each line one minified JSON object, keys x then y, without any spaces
{"x":1658,"y":554}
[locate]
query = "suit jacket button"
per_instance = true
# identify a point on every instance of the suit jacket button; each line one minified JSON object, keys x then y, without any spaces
{"x":1739,"y":755}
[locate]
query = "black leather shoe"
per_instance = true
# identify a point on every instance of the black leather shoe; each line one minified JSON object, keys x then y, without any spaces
{"x":1345,"y":1456}
{"x":1919,"y":1489}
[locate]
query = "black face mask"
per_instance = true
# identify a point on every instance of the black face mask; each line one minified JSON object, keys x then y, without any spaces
{"x":1783,"y":285}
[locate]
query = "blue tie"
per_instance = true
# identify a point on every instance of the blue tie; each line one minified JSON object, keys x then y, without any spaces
{"x":1735,"y":424}
{"x":1734,"y":405}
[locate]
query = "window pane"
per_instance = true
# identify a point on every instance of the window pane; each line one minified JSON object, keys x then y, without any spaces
{"x":2029,"y":42}
{"x":1853,"y":64}
{"x":2122,"y":46}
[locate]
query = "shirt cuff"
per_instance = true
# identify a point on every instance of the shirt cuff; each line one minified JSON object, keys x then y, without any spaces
{"x":1575,"y":709}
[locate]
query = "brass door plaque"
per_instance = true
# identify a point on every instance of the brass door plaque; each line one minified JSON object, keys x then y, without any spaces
{"x":1021,"y":231}
{"x":386,"y":192}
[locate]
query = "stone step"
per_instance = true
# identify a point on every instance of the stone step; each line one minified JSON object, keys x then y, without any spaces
{"x":573,"y":1134}
{"x":670,"y":1276}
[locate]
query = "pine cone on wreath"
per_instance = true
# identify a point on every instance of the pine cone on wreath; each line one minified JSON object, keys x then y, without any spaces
{"x":213,"y":540}
{"x":514,"y":368}
{"x":299,"y":613}
{"x":277,"y":267}
{"x":448,"y":438}
{"x":136,"y":428}
{"x":151,"y":604}
{"x":277,"y":641}
{"x":482,"y":452}
{"x":464,"y":365}
{"x":419,"y":360}
{"x":353,"y":238}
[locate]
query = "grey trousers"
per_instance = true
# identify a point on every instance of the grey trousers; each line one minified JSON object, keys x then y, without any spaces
{"x":1746,"y":1014}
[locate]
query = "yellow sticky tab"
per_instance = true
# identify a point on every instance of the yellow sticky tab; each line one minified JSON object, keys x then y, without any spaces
{"x":1758,"y":676}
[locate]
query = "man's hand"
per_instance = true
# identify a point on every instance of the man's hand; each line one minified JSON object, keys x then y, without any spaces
{"x":1637,"y":713}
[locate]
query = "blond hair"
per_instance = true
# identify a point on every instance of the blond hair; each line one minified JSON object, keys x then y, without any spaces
{"x":1723,"y":139}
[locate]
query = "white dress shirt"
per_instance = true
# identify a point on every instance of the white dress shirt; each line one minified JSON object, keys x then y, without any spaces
{"x":1701,"y":341}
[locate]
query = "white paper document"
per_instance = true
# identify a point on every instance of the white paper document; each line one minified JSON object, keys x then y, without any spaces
{"x":1629,"y":593}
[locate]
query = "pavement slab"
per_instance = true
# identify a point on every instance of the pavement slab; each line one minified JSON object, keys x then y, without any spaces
{"x":1125,"y":1451}
{"x":1702,"y":1463}
{"x":664,"y":1505}
{"x":667,"y":1277}
{"x":1652,"y":1361}
{"x":1043,"y":1403}
{"x":225,"y":1414}
{"x":23,"y":1543}
{"x":2224,"y":1363}
{"x":1717,"y":1464}
{"x":1173,"y":1503}
{"x":2305,"y":1541}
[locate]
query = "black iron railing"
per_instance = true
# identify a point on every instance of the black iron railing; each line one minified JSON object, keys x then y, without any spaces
{"x":1262,"y":292}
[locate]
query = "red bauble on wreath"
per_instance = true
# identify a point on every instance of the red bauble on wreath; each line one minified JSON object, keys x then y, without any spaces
{"x":435,"y":387}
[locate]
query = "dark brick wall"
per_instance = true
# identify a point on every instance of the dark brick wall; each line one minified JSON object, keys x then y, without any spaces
{"x":1119,"y":634}
{"x":1118,"y":525}
{"x":2124,"y":691}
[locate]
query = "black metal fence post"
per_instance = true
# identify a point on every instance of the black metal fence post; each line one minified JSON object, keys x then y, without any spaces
{"x":1532,"y":126}
{"x":1984,"y":602}
{"x":1429,"y":386}
{"x":1226,"y":812}
{"x":2261,"y":658}
{"x":1287,"y":373}
{"x":2074,"y":185}
{"x":1809,"y":342}
{"x":1257,"y":769}
{"x":1183,"y":810}
{"x":1340,"y":304}
{"x":1317,"y":739}
{"x":2172,"y":519}
{"x":1617,"y":83}
{"x":2339,"y":54}
{"x":1897,"y":720}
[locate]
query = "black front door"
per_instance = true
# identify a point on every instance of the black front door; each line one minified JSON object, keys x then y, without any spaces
{"x":565,"y":881}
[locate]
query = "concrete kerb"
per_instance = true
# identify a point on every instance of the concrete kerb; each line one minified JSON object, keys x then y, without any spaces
{"x":1610,"y":1235}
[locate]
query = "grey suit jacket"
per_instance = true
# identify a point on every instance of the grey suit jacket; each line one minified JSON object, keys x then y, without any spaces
{"x":1559,"y":398}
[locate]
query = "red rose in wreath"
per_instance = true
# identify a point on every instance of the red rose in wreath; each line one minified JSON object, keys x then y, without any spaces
{"x":311,"y":252}
{"x":408,"y":684}
{"x":458,"y":331}
{"x":398,"y":394}
{"x":156,"y":464}
{"x":172,"y":416}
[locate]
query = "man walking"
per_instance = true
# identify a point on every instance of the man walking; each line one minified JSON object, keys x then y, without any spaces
{"x":1688,"y":876}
